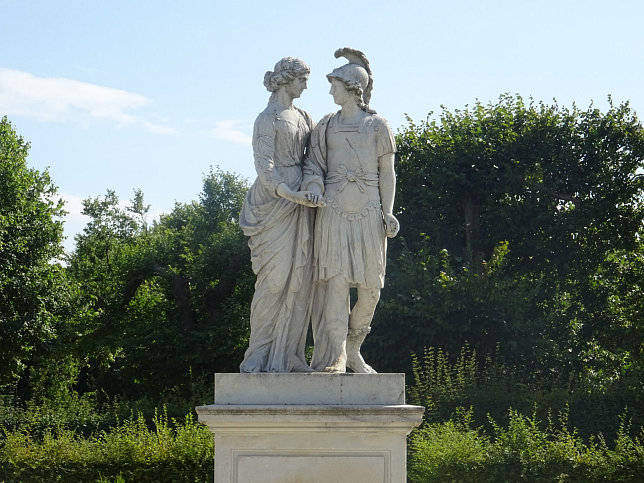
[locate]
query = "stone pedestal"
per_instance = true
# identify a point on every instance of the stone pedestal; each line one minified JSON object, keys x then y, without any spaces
{"x":317,"y":427}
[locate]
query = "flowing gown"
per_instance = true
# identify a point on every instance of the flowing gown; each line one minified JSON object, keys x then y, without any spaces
{"x":281,"y":237}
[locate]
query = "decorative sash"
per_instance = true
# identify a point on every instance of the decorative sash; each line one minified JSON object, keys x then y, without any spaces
{"x":357,"y":176}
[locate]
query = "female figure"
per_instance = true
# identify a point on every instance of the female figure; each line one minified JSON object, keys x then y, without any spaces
{"x":280,"y":227}
{"x":352,"y":163}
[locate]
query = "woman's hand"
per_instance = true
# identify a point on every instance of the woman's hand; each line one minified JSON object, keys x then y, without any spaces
{"x":391,"y":225}
{"x":306,"y":198}
{"x":312,"y":197}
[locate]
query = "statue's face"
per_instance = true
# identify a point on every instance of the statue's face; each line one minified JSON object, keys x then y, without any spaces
{"x":339,"y":92}
{"x":295,"y":88}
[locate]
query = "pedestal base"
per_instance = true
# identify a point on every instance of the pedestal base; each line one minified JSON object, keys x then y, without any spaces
{"x":310,"y":428}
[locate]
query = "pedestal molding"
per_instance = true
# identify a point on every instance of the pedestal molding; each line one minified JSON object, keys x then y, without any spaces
{"x":308,"y":441}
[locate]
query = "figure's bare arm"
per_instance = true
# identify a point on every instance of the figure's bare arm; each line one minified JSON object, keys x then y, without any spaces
{"x":306,"y":198}
{"x":387,"y":183}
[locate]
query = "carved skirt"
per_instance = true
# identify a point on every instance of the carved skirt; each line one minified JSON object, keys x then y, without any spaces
{"x":350,"y":244}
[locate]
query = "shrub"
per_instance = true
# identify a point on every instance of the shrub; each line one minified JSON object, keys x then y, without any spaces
{"x":524,"y":450}
{"x":450,"y":451}
{"x":442,"y":383}
{"x":169,"y":451}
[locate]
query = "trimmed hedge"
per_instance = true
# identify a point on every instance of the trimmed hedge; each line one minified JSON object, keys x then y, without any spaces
{"x":525,"y":450}
{"x":169,"y":451}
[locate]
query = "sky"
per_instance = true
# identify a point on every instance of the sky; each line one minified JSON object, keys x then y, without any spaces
{"x":151,"y":94}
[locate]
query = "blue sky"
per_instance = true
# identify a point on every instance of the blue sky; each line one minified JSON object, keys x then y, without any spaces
{"x":150,"y":94}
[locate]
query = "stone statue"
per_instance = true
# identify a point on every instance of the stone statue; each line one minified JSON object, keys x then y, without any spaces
{"x":351,"y":163}
{"x":277,"y":218}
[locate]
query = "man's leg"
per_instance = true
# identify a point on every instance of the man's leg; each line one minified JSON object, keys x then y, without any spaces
{"x":336,"y":318}
{"x":359,"y":327}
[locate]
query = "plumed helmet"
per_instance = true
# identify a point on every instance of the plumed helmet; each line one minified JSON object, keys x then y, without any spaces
{"x":356,"y":74}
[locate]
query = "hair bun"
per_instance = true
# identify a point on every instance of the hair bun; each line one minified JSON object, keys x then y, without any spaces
{"x":284,"y":71}
{"x":267,"y":81}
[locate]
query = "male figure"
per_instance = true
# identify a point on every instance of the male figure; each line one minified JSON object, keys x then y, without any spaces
{"x":351,"y":162}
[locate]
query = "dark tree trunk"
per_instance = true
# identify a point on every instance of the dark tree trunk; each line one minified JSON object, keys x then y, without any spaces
{"x":472,"y":215}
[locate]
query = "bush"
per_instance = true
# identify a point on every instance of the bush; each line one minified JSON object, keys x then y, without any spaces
{"x":170,"y":451}
{"x":442,"y":384}
{"x":450,"y":451}
{"x":525,"y":450}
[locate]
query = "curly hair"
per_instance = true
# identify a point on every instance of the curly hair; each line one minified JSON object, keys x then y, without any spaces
{"x":284,"y":72}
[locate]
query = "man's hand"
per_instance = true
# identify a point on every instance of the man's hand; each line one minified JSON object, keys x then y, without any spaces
{"x":391,"y":225}
{"x":306,"y":198}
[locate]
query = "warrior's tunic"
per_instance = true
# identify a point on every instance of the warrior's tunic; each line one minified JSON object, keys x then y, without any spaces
{"x":349,"y":231}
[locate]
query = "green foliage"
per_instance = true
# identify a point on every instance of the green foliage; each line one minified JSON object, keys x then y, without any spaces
{"x":521,"y":237}
{"x":70,"y":412}
{"x":524,"y":450}
{"x":521,"y":224}
{"x":31,"y":287}
{"x":141,"y":315}
{"x":439,"y":384}
{"x":450,"y":451}
{"x":163,"y":305}
{"x":534,"y":174}
{"x":442,"y":385}
{"x":169,"y":451}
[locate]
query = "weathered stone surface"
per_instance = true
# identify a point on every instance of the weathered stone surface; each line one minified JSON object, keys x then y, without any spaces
{"x":318,"y":217}
{"x":352,"y":435}
{"x":315,"y":388}
{"x":351,"y":163}
{"x":278,"y":220}
{"x":279,"y":421}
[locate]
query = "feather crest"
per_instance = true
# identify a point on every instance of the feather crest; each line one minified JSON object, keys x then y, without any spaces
{"x":354,"y":56}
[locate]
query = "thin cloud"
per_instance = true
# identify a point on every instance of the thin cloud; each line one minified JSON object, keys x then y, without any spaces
{"x":228,"y":131}
{"x":56,"y":99}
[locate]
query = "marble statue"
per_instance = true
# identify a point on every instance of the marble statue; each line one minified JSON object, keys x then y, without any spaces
{"x":351,"y":164}
{"x":278,"y":219}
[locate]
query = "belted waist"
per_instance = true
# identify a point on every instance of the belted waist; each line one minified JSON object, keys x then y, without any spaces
{"x":357,"y":176}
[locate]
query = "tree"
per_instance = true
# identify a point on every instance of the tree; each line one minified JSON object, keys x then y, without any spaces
{"x":30,"y":241}
{"x":509,"y":212}
{"x":164,"y":300}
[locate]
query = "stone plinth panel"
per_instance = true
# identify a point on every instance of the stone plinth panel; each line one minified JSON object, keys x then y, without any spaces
{"x":310,"y":428}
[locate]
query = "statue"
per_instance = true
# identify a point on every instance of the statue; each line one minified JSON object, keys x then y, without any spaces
{"x":351,"y":163}
{"x":279,"y":221}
